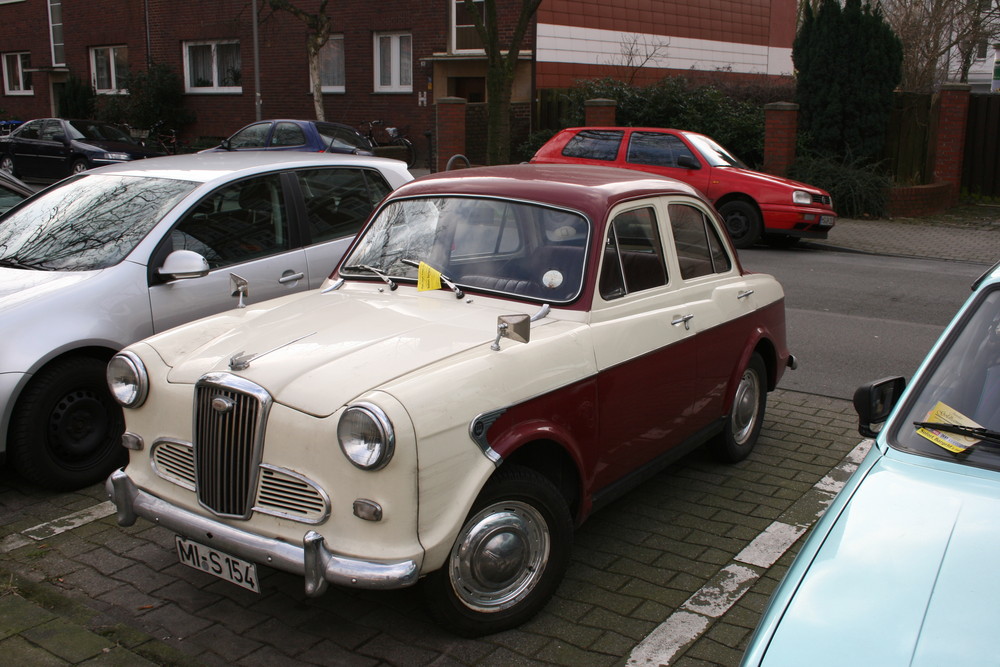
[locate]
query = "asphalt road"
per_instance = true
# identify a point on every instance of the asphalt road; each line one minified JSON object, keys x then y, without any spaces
{"x":853,"y":318}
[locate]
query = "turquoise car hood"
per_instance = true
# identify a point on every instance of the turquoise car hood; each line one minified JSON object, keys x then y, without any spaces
{"x":906,"y":575}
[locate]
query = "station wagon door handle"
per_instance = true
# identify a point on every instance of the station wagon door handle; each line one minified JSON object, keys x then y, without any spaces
{"x":289,"y":277}
{"x":744,"y":294}
{"x":682,"y":319}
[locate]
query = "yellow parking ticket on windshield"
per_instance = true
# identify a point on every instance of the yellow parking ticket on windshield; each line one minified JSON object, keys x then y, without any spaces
{"x":953,"y":442}
{"x":428,"y":278}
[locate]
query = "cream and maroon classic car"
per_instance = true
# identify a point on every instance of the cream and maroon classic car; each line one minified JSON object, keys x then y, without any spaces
{"x":501,"y":351}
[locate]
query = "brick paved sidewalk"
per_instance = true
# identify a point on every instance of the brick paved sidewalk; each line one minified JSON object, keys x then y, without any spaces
{"x":101,"y":594}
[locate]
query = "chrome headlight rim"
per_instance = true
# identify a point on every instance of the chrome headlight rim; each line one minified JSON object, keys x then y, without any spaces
{"x":130,"y":363}
{"x":386,"y":442}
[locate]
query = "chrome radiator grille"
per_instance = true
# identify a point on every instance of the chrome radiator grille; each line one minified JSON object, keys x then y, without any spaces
{"x":229,"y":418}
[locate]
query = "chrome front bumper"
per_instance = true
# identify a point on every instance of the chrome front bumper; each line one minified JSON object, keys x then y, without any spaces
{"x":312,"y":560}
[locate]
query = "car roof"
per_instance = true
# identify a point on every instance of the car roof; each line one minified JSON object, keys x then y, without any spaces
{"x":205,"y":167}
{"x":592,"y":190}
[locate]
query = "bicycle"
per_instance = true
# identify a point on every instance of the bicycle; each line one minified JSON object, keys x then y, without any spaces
{"x":392,"y":137}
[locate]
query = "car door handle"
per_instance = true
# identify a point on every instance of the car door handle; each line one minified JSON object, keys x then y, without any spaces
{"x":289,"y":277}
{"x":744,"y":294}
{"x":682,"y":319}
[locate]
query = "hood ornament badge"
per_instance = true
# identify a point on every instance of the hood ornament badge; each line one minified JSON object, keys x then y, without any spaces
{"x":241,"y":361}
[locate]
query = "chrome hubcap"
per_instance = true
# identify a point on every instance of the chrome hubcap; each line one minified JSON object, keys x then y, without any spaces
{"x":745,"y":407}
{"x":499,"y":556}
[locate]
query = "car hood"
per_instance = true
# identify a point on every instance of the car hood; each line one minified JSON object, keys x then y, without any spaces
{"x":366,"y":340}
{"x":769,"y":179}
{"x":906,"y":575}
{"x":114,"y":147}
{"x":23,"y":285}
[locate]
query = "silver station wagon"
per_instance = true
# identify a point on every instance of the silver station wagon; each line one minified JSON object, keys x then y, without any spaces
{"x":118,"y":253}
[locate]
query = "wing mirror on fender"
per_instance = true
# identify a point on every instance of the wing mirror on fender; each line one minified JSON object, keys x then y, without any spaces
{"x":517,"y":327}
{"x":873,"y":403}
{"x":183,"y":264}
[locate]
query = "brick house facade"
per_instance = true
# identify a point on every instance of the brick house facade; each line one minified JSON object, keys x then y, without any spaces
{"x":425,"y":47}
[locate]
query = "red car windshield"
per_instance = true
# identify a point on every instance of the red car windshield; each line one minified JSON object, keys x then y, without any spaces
{"x":716,"y":155}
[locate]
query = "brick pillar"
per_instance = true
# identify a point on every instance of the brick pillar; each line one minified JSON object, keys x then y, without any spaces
{"x":600,"y":113}
{"x":949,"y":138}
{"x":450,"y":130}
{"x":781,"y":123}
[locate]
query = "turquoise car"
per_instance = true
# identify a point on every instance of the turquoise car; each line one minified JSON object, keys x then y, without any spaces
{"x":902,"y":568}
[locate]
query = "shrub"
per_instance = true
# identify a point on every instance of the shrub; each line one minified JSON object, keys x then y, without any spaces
{"x":858,"y":188}
{"x":78,"y":99}
{"x":155,"y":98}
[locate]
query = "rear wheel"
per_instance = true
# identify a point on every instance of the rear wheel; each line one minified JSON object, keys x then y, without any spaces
{"x":746,"y":416}
{"x":409,"y":152}
{"x":66,"y":428}
{"x":742,"y":222}
{"x":508,"y":558}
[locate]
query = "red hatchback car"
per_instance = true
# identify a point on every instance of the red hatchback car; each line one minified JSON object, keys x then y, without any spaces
{"x":755,"y":206}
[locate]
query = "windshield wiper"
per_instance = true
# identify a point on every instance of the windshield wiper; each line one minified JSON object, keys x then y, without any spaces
{"x":381,"y":274}
{"x":984,"y":434}
{"x":445,"y":279}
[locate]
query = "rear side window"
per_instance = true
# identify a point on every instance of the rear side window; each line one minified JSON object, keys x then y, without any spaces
{"x":594,"y":145}
{"x":338,"y":201}
{"x":699,"y":249}
{"x":288,"y":134}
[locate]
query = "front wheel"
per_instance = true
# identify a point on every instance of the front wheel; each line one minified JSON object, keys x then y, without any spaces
{"x":742,"y":222}
{"x":746,"y":417}
{"x":79,"y":166}
{"x":508,"y":558}
{"x":66,"y":429}
{"x":7,"y":164}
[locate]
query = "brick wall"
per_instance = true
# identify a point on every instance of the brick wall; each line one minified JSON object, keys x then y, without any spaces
{"x":780,"y":132}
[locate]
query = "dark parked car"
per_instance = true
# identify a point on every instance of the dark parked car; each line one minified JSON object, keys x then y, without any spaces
{"x":12,"y":192}
{"x":52,"y":148}
{"x":297,"y":135}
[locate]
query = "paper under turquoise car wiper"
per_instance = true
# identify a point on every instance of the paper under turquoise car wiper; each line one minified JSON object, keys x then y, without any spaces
{"x":984,"y":434}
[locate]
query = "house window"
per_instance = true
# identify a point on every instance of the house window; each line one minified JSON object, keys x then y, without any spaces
{"x":108,"y":66}
{"x":463,"y":30}
{"x":212,"y":67}
{"x":331,"y":65}
{"x":393,"y":63}
{"x":56,"y":32}
{"x":16,"y":78}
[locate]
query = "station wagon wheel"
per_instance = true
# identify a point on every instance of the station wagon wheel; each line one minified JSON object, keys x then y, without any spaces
{"x":508,"y":558}
{"x":7,"y":164}
{"x":742,"y":222}
{"x":746,"y":416}
{"x":66,"y":429}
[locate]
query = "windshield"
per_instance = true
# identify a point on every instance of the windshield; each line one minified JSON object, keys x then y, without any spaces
{"x":88,"y":129}
{"x":493,"y":245}
{"x":716,"y":155}
{"x":90,"y":222}
{"x":961,"y":393}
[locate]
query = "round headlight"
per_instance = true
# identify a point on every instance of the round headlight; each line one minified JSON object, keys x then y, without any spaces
{"x":366,"y":436}
{"x":127,"y":379}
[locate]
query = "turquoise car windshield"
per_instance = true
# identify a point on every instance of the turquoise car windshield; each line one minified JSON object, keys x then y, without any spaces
{"x":954,"y":413}
{"x":86,"y":223}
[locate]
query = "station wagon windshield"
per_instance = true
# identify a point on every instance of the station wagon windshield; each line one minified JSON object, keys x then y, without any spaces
{"x":494,"y":245}
{"x":88,"y":223}
{"x":955,"y":414}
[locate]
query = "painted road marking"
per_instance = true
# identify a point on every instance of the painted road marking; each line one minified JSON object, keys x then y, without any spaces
{"x":719,"y":594}
{"x":44,"y":531}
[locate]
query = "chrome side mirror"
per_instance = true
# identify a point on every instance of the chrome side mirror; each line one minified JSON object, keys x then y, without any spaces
{"x":240,"y":287}
{"x":874,"y":402}
{"x":183,"y":264}
{"x":515,"y":327}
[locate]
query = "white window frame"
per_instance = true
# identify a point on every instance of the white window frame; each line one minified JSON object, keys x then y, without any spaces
{"x":22,"y":89}
{"x":457,"y":10}
{"x":333,"y":42}
{"x":117,"y":86}
{"x":215,"y":88}
{"x":400,"y":82}
{"x":56,"y":33}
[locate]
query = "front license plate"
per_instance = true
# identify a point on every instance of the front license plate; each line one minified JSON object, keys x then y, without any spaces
{"x":217,"y":563}
{"x":826,"y":221}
